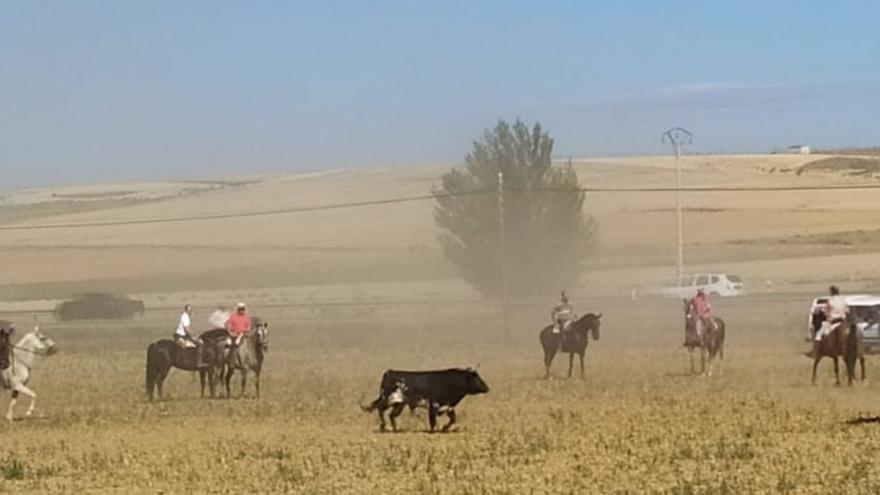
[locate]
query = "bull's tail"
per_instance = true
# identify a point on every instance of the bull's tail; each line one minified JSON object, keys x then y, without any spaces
{"x":371,"y":406}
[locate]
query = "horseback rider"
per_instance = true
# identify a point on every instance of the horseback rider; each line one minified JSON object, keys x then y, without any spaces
{"x":185,"y":338}
{"x":703,"y":310}
{"x":6,"y":371}
{"x":563,"y":314}
{"x":836,"y":310}
{"x":238,"y":325}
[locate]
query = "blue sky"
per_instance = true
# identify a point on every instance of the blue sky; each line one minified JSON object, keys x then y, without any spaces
{"x":105,"y":91}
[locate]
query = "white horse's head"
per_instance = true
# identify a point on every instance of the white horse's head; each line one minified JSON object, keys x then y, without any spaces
{"x":37,"y":342}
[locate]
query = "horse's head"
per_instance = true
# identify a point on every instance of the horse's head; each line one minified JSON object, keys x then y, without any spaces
{"x":591,"y":322}
{"x":262,"y":333}
{"x":38,"y":343}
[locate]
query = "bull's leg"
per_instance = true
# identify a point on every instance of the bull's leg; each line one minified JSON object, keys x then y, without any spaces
{"x":570,"y":363}
{"x":202,"y":374}
{"x":396,"y":409}
{"x":816,"y":365}
{"x":257,"y":383}
{"x":451,"y":414}
{"x":14,"y":398}
{"x":432,"y":414}
{"x":381,"y":406}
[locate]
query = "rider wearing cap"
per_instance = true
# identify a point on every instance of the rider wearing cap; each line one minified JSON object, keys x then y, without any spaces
{"x":238,"y":324}
{"x":562,"y":314}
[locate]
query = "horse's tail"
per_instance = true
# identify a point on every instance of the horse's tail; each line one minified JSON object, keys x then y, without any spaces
{"x":853,"y":349}
{"x":150,"y":372}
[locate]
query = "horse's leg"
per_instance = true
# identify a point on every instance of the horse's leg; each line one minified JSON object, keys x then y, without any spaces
{"x":548,"y":360}
{"x":570,"y":363}
{"x":228,"y":378}
{"x":816,"y":359}
{"x":243,"y":381}
{"x":691,"y":355}
{"x":836,"y":371}
{"x":582,"y":363}
{"x":862,"y":365}
{"x":160,"y":381}
{"x":11,"y":405}
{"x":202,"y":383}
{"x":212,"y":381}
{"x":30,"y":393}
{"x":702,"y":359}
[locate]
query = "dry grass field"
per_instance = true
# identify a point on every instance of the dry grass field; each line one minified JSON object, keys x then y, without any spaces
{"x":352,"y":292}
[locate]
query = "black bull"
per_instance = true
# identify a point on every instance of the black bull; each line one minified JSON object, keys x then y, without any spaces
{"x":439,"y":391}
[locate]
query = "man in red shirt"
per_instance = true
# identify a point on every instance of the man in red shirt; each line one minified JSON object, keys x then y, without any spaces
{"x":239,"y":323}
{"x":703,"y":309}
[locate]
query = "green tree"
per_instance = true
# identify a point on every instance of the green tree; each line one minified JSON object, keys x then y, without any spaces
{"x":547,"y":236}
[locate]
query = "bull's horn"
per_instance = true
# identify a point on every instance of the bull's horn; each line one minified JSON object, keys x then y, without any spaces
{"x":598,"y":315}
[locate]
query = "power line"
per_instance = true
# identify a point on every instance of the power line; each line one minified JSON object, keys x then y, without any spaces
{"x":224,"y":216}
{"x":408,"y":199}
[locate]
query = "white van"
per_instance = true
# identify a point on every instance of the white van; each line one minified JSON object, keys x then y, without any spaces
{"x":720,"y":284}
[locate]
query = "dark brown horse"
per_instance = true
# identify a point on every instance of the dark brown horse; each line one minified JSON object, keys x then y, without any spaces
{"x":166,"y":353}
{"x":845,"y":341}
{"x":573,"y":340}
{"x":711,"y":343}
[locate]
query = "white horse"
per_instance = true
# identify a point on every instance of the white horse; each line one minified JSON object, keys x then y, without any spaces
{"x":24,"y":356}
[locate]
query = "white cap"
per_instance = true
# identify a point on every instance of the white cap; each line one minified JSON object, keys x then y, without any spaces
{"x":240,"y":305}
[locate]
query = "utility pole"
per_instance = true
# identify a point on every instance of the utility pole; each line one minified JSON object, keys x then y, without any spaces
{"x":502,"y":256}
{"x":678,"y":137}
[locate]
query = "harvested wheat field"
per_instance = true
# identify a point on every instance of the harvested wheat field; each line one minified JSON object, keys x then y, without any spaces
{"x":352,"y":292}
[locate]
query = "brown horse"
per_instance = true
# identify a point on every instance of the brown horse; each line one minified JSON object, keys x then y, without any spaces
{"x":711,"y":343}
{"x":572,"y":341}
{"x":845,"y":341}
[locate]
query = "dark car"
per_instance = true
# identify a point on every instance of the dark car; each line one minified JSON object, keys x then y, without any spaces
{"x":98,"y":305}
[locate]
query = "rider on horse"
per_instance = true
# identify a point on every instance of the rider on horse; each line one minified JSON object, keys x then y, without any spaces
{"x":6,"y":372}
{"x":562,"y":314}
{"x":185,"y":338}
{"x":836,"y":311}
{"x":703,"y":310}
{"x":238,"y":325}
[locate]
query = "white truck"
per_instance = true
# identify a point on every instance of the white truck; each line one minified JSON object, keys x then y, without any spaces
{"x":719,"y":284}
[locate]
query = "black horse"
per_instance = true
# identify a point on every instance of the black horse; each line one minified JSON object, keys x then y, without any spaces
{"x":166,"y":353}
{"x":573,"y":340}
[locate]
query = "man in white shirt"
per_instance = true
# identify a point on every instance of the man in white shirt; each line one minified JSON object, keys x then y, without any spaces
{"x":183,"y":336}
{"x":836,"y":311}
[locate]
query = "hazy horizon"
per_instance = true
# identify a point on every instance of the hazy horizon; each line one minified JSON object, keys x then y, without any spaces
{"x":105,"y":92}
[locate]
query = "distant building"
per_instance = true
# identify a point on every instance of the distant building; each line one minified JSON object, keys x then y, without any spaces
{"x":799,"y":149}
